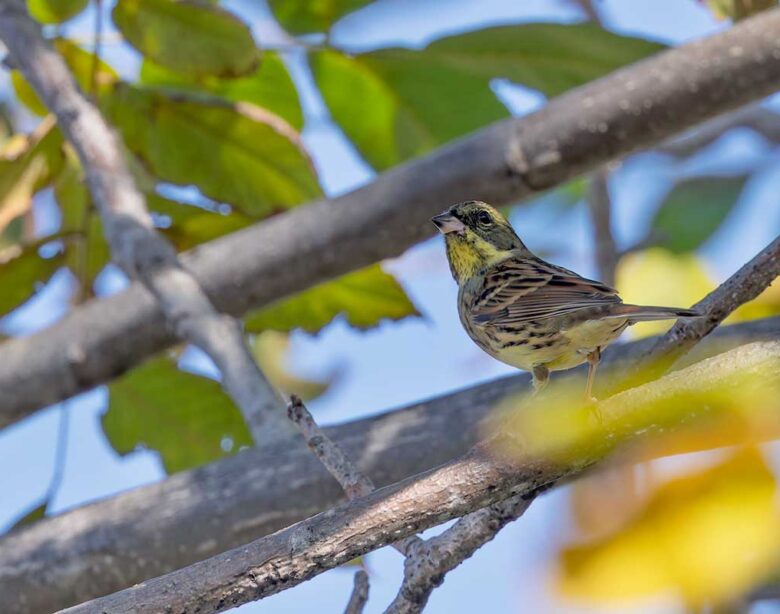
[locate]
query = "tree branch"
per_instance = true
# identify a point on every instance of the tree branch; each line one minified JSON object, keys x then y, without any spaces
{"x":108,"y":545}
{"x":135,"y":245}
{"x":631,"y":109}
{"x":434,"y":558}
{"x":754,"y":117}
{"x":359,"y":597}
{"x":477,"y":479}
{"x":746,"y":284}
{"x":354,"y":482}
{"x":600,"y":207}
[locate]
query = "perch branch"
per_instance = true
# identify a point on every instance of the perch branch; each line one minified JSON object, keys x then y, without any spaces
{"x":475,"y":480}
{"x":66,"y":559}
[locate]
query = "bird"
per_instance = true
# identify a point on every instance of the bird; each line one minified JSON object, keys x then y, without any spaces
{"x":528,"y":313}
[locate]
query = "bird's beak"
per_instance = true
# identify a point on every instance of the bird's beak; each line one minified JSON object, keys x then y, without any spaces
{"x":447,"y":223}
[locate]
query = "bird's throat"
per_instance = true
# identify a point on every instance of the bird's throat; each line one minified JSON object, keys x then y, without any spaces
{"x":468,"y":255}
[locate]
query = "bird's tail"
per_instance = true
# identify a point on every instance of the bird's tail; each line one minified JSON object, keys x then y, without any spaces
{"x":645,"y":313}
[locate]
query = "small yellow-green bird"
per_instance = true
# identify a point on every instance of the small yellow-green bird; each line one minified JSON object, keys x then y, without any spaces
{"x":527,"y":312}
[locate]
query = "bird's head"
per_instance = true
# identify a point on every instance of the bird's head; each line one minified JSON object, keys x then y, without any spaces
{"x":476,"y":236}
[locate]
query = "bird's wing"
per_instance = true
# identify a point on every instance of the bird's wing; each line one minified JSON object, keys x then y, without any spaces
{"x":522,"y":289}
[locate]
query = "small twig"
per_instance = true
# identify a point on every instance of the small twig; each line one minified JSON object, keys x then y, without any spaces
{"x":600,"y":207}
{"x":427,"y":562}
{"x":351,"y":479}
{"x":96,"y":47}
{"x":754,"y":117}
{"x":439,"y":555}
{"x":589,"y":8}
{"x":354,"y":483}
{"x":359,"y":597}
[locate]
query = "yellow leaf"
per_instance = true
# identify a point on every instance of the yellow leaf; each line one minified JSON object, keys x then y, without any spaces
{"x":658,"y":277}
{"x":25,"y":166}
{"x":764,"y":305}
{"x":709,"y":537}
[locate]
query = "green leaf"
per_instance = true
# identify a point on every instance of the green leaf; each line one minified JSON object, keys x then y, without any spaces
{"x":270,"y":350}
{"x":80,"y":63}
{"x":548,"y":57}
{"x":364,"y":298}
{"x":694,"y":210}
{"x":55,"y":11}
{"x":738,"y":9}
{"x":191,"y":37}
{"x":22,"y":270}
{"x":183,"y":416}
{"x":395,"y":104}
{"x":233,"y":152}
{"x":270,"y":86}
{"x":34,"y":514}
{"x":304,"y":16}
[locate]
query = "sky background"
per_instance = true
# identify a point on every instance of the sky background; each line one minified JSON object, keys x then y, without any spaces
{"x":399,"y":363}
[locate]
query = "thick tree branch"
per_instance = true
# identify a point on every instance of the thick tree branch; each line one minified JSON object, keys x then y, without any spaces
{"x":631,"y":109}
{"x":118,"y":542}
{"x":479,"y":478}
{"x":135,"y":245}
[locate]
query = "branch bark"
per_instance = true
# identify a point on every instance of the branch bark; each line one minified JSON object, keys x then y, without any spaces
{"x":600,"y":207}
{"x":118,"y":542}
{"x":433,"y":559}
{"x":476,"y":480}
{"x":359,"y":597}
{"x":632,"y":109}
{"x":351,"y":479}
{"x":135,"y":245}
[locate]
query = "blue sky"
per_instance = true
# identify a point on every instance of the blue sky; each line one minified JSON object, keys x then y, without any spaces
{"x":399,"y":363}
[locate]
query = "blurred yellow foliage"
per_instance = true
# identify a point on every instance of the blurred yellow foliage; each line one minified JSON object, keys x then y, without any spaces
{"x":656,"y":276}
{"x":708,"y":537}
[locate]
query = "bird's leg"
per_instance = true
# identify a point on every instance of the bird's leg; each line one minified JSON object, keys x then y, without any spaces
{"x":541,"y":376}
{"x":594,"y":358}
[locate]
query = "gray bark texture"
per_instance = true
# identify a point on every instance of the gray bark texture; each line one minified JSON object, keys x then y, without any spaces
{"x":112,"y":544}
{"x":475,"y":480}
{"x":631,"y":109}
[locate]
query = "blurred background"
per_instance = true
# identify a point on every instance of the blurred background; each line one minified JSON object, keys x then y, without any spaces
{"x":684,"y":218}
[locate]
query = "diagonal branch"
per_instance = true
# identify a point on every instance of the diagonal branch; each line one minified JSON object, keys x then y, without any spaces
{"x":135,"y":245}
{"x":297,"y":553}
{"x":631,"y":109}
{"x":743,"y":286}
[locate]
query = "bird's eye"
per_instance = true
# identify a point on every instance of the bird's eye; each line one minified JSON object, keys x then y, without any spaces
{"x":484,"y":218}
